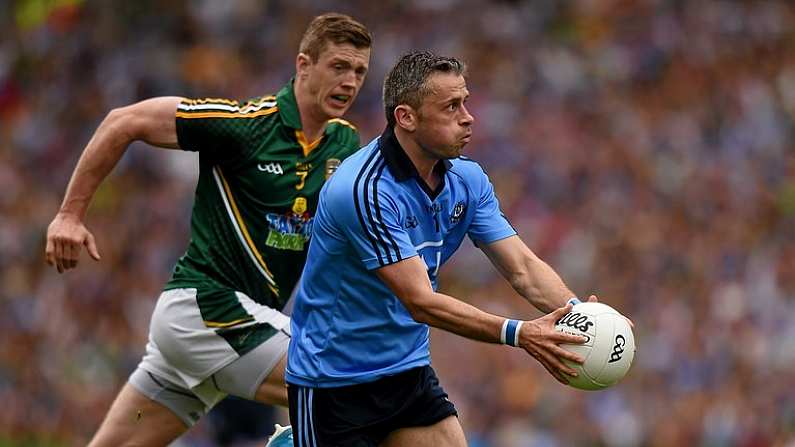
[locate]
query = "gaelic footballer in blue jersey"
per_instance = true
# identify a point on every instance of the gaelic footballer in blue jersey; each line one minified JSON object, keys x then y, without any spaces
{"x":359,"y":362}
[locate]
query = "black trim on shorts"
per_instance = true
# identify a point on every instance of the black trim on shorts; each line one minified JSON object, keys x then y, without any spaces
{"x":363,"y":415}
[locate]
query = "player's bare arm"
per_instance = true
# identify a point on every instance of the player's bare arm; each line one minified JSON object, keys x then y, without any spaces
{"x":408,"y":280}
{"x":151,"y":121}
{"x":530,"y":276}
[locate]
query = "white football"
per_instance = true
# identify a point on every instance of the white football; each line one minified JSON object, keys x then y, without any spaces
{"x":609,"y":349}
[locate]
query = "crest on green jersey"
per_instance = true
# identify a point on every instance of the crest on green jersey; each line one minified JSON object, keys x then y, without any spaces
{"x":331,"y":166}
{"x":290,"y":231}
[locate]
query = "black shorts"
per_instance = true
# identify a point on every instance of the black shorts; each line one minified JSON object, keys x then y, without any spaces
{"x":363,"y":415}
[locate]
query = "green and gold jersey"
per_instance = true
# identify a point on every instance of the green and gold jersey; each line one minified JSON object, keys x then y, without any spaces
{"x":259,"y":181}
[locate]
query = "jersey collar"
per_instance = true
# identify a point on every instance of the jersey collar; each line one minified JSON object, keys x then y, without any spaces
{"x":291,"y":117}
{"x":288,"y":107}
{"x":401,"y":166}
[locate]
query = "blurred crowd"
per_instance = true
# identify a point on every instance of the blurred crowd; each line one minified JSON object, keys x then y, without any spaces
{"x":644,"y":148}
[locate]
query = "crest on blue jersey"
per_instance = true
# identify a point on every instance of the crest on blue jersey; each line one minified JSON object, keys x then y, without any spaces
{"x":459,"y":210}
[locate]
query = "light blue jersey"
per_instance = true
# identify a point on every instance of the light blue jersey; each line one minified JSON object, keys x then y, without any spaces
{"x":347,"y":325}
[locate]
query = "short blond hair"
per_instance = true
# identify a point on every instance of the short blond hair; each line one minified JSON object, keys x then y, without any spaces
{"x":336,"y":28}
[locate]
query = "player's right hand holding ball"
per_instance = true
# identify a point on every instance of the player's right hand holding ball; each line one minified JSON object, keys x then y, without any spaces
{"x":609,"y":347}
{"x":541,"y":340}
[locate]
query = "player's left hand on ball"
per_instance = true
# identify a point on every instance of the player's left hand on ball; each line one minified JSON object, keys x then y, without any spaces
{"x":540,"y":339}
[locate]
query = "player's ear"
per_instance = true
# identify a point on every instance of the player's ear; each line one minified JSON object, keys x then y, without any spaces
{"x":406,"y":117}
{"x":302,"y":64}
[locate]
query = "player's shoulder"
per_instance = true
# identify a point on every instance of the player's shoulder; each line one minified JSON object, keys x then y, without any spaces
{"x":344,"y":133}
{"x":341,"y":126}
{"x":356,"y":170}
{"x":261,"y":106}
{"x":467,"y":168}
{"x":261,"y":102}
{"x":354,"y":166}
{"x":264,"y":107}
{"x":359,"y":182}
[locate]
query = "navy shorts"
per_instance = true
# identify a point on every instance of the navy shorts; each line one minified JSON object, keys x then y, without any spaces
{"x":363,"y":415}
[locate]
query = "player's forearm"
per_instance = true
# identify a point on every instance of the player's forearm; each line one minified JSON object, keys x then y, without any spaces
{"x":447,"y":313}
{"x":100,"y":155}
{"x":540,"y":285}
{"x":151,"y":121}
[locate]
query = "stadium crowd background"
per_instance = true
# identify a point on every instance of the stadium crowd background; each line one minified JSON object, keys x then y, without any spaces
{"x":643,"y":148}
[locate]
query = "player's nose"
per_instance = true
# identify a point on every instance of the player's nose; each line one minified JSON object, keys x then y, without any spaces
{"x":466,"y":119}
{"x":349,"y":81}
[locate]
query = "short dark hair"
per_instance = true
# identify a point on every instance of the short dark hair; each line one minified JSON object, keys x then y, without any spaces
{"x":407,"y":81}
{"x":336,"y":28}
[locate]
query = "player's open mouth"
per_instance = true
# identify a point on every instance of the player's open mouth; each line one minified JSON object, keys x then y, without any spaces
{"x":340,"y":100}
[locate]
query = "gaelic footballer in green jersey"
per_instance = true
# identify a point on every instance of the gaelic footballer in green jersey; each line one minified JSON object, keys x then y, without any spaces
{"x":256,"y":197}
{"x":259,"y":181}
{"x":217,"y":328}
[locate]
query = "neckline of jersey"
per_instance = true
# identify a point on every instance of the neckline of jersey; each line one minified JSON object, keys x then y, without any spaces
{"x":291,"y":117}
{"x":402,"y":168}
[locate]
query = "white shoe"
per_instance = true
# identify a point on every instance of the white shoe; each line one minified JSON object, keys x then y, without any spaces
{"x":281,"y":437}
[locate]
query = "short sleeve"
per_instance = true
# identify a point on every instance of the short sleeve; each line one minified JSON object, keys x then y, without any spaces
{"x":489,"y":224}
{"x":369,"y":217}
{"x":213,"y":127}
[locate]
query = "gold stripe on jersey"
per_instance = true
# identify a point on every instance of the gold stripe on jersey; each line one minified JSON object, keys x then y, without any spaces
{"x":192,"y":115}
{"x":229,"y":324}
{"x":242,"y":230}
{"x":261,"y":100}
{"x":214,"y":100}
{"x":305,"y":144}
{"x":230,"y":102}
{"x":343,"y":122}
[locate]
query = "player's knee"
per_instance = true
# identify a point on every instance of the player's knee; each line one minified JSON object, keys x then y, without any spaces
{"x":454,"y":432}
{"x":273,"y":390}
{"x":272,"y":393}
{"x":448,"y":433}
{"x":445,"y":433}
